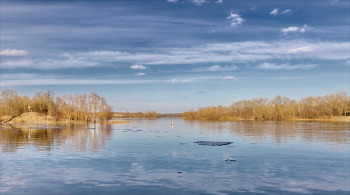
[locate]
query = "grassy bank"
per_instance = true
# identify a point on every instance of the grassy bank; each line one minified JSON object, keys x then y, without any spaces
{"x":35,"y":117}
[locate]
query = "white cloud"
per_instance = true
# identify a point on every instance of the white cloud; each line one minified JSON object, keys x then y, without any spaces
{"x":13,"y":52}
{"x":237,"y":52}
{"x":229,"y":78}
{"x":273,"y":66}
{"x":274,"y":12}
{"x":177,"y":81}
{"x":300,"y":49}
{"x":215,"y":68}
{"x":141,"y":73}
{"x":18,"y":82}
{"x":17,"y":64}
{"x":235,"y":19}
{"x":70,"y":63}
{"x":197,"y":2}
{"x":219,"y":1}
{"x":290,"y":29}
{"x":67,"y":55}
{"x":24,"y":76}
{"x":106,"y":53}
{"x":287,"y":11}
{"x":137,"y":67}
{"x":304,"y":28}
{"x":55,"y":79}
{"x":254,"y":8}
{"x":48,"y":64}
{"x":296,"y":29}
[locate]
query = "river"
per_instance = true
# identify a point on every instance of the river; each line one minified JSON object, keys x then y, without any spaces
{"x":154,"y":157}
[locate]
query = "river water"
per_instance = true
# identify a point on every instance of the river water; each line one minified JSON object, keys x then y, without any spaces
{"x":153,"y":157}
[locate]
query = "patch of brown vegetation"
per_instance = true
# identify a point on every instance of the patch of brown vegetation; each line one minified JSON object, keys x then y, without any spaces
{"x":5,"y":119}
{"x":36,"y":117}
{"x":30,"y":117}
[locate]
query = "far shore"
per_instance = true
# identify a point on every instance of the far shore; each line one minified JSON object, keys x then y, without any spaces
{"x":323,"y":119}
{"x":38,"y":118}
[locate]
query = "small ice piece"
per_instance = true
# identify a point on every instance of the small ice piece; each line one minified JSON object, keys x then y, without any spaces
{"x":211,"y":143}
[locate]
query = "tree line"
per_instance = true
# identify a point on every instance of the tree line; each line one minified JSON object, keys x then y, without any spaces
{"x":277,"y":108}
{"x":74,"y":107}
{"x":172,"y":115}
{"x":146,"y":114}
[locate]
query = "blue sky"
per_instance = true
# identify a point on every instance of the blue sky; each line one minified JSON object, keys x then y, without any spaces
{"x":171,"y":56}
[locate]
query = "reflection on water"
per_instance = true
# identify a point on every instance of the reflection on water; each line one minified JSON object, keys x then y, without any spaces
{"x":92,"y":137}
{"x":72,"y":137}
{"x":155,"y":157}
{"x":335,"y":134}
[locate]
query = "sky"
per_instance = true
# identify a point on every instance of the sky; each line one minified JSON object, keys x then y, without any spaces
{"x":171,"y":56}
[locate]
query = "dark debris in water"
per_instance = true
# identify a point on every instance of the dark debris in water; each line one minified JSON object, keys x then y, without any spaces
{"x":137,"y":130}
{"x":230,"y":160}
{"x":132,"y":130}
{"x":211,"y":143}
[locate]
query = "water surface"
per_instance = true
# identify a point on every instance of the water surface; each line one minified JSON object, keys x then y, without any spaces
{"x":153,"y":157}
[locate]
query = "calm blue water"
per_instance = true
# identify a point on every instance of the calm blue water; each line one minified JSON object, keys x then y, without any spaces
{"x":152,"y":157}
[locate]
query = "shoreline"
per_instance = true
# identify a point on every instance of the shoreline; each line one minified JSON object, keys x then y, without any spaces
{"x":324,"y":119}
{"x":38,"y":118}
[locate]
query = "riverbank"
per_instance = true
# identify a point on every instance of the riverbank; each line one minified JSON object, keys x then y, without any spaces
{"x":35,"y":117}
{"x":324,"y":119}
{"x":331,"y":119}
{"x":39,"y":118}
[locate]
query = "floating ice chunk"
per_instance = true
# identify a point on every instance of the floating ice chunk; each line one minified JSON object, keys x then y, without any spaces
{"x":211,"y":143}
